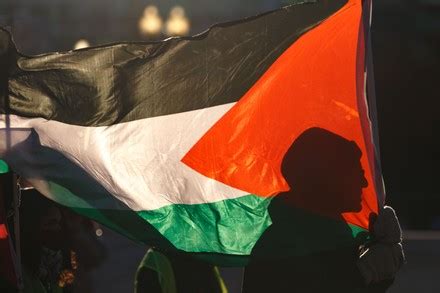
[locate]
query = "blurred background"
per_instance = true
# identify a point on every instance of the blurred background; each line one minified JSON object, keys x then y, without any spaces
{"x":406,"y":49}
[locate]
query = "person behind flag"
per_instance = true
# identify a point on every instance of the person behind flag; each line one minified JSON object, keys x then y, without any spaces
{"x":58,"y":247}
{"x":43,"y":244}
{"x":326,"y":180}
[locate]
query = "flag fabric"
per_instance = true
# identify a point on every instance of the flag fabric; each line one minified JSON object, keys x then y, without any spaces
{"x":3,"y":167}
{"x":179,"y":143}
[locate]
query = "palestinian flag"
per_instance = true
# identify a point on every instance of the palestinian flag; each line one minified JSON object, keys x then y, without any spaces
{"x":181,"y":143}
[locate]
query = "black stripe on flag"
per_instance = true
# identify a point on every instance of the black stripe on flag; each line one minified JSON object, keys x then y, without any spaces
{"x":128,"y":81}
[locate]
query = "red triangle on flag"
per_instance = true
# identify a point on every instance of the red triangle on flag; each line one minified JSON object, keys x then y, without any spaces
{"x":317,"y":82}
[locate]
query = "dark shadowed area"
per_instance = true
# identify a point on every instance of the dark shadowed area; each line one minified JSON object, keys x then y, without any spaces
{"x":406,"y":46}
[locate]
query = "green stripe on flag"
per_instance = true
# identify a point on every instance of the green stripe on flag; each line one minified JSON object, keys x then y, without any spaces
{"x":231,"y":226}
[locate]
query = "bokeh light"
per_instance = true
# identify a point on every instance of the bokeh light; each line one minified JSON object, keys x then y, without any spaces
{"x":80,"y":44}
{"x":177,"y":23}
{"x":151,"y":22}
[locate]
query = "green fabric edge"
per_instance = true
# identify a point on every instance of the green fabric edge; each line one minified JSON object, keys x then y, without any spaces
{"x":4,"y":168}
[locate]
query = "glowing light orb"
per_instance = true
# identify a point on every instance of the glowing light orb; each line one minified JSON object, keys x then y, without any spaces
{"x":80,"y":44}
{"x":151,"y":22}
{"x":177,"y":23}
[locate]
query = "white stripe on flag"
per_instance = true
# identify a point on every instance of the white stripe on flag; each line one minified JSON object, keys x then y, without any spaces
{"x":139,"y":162}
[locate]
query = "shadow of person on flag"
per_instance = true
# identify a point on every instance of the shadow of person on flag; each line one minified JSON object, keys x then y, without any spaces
{"x":325,"y":174}
{"x":310,"y":247}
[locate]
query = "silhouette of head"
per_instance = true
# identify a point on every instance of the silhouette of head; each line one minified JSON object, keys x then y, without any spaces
{"x":324,"y":172}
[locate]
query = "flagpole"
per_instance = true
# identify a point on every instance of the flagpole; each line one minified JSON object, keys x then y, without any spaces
{"x":370,"y":94}
{"x":371,"y":88}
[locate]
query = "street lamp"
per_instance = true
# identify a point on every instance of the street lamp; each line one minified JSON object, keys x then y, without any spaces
{"x":151,"y":22}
